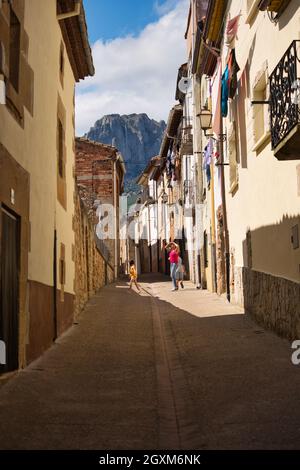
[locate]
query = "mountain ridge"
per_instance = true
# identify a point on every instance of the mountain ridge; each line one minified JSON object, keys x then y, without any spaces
{"x":135,"y":135}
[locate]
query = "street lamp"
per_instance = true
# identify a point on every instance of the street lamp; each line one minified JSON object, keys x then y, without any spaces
{"x":205,"y":119}
{"x":164,"y":197}
{"x":206,"y":123}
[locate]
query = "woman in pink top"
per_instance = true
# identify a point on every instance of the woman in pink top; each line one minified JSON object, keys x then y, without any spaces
{"x":173,"y":257}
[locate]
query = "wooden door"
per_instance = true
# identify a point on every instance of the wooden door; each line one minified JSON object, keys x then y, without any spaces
{"x":9,"y":288}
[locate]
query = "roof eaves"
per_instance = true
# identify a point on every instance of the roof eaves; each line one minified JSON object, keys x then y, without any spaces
{"x":75,"y":35}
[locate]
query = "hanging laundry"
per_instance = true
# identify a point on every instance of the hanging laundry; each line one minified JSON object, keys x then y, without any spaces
{"x":208,"y":176}
{"x":207,"y":154}
{"x":231,"y":29}
{"x":216,"y":99}
{"x":169,"y":163}
{"x":176,"y":176}
{"x":233,"y":69}
{"x":224,"y":92}
{"x":229,"y":82}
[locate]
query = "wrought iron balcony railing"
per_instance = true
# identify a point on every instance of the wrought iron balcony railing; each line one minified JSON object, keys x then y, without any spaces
{"x":186,"y":143}
{"x":285,"y":105}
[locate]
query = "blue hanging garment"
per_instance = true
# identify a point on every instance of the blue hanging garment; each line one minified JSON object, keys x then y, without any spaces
{"x":225,"y":92}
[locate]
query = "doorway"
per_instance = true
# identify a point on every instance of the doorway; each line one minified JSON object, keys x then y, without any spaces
{"x":9,"y":288}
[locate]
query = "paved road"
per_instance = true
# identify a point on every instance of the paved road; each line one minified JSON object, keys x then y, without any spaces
{"x":159,"y":369}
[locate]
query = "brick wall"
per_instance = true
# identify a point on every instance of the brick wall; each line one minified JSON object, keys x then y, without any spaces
{"x":91,"y":269}
{"x":94,"y":170}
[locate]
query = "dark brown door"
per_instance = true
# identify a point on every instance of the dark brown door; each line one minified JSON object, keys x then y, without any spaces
{"x":9,"y":288}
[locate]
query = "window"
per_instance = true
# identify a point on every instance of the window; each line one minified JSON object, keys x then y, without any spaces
{"x":14,"y":50}
{"x":61,"y":64}
{"x":232,"y":156}
{"x":60,"y":137}
{"x":205,"y":249}
{"x":2,"y":57}
{"x":61,"y":154}
{"x":261,"y":117}
{"x":62,"y":271}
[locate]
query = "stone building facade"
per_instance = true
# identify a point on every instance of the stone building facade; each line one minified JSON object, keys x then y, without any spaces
{"x":44,"y":52}
{"x":92,"y":269}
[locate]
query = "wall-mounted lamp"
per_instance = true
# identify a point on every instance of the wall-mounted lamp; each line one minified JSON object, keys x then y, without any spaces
{"x":205,"y":119}
{"x":206,"y":123}
{"x":164,"y":197}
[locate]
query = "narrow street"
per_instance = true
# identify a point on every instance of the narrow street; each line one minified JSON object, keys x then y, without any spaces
{"x":165,"y":370}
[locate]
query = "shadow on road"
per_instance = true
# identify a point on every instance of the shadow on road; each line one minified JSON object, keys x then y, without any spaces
{"x":97,"y":387}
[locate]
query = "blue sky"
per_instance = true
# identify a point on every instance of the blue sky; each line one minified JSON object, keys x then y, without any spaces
{"x":137,"y":47}
{"x":108,"y":19}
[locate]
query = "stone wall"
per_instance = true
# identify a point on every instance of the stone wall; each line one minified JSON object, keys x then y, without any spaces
{"x":274,"y":302}
{"x":92,"y":271}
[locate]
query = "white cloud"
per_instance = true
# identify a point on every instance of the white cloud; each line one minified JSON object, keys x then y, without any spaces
{"x":136,"y":74}
{"x":162,"y":7}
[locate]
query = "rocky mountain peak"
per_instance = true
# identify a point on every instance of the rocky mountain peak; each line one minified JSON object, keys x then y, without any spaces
{"x":136,"y":136}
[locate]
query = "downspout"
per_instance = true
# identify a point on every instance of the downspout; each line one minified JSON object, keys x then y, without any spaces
{"x":213,"y":228}
{"x":197,"y":167}
{"x":137,"y":245}
{"x":213,"y":220}
{"x":225,"y":225}
{"x":115,"y":218}
{"x":150,"y":240}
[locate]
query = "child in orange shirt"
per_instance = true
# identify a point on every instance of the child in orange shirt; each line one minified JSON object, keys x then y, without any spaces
{"x":133,"y":276}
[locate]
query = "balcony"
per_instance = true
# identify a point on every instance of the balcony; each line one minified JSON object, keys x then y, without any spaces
{"x":186,"y":146}
{"x":188,"y":192}
{"x":284,"y":105}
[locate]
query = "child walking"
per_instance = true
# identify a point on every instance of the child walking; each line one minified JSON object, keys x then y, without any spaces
{"x":180,"y":272}
{"x":133,"y":276}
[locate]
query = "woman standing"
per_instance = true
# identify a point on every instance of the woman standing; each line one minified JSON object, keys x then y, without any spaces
{"x":173,"y":257}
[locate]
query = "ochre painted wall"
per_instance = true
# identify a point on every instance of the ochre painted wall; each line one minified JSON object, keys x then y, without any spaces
{"x":267,"y":200}
{"x":34,"y":147}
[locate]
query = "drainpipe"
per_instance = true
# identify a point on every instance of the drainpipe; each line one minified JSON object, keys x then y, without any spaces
{"x":213,"y":220}
{"x":150,"y":239}
{"x":115,"y":218}
{"x":225,"y":225}
{"x":198,"y":178}
{"x":70,"y":14}
{"x":213,"y":228}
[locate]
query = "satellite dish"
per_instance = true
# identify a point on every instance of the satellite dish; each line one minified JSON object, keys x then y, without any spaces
{"x":184,"y":84}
